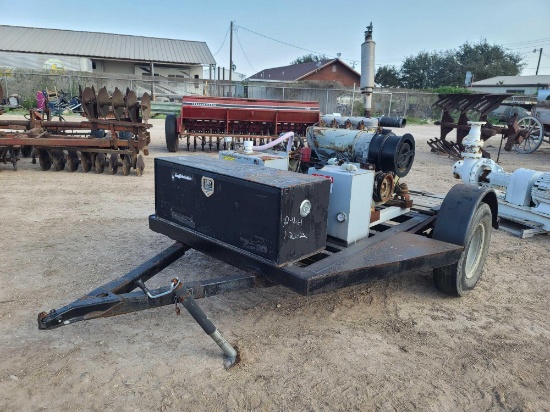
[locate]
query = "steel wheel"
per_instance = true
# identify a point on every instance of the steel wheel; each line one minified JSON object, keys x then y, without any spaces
{"x":44,"y":159}
{"x":113,"y":163}
{"x":126,"y":165}
{"x":534,"y":137}
{"x":140,"y":165}
{"x":58,"y":160}
{"x":99,"y":163}
{"x":474,"y":252}
{"x":72,"y":161}
{"x":86,"y":161}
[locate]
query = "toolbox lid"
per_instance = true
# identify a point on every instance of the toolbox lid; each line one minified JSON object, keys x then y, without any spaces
{"x":254,"y":173}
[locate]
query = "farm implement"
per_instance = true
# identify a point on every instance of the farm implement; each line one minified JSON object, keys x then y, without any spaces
{"x":518,"y":133}
{"x":115,"y":134}
{"x":215,"y":122}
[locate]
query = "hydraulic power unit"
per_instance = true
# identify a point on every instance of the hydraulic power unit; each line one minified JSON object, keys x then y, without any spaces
{"x":275,"y":214}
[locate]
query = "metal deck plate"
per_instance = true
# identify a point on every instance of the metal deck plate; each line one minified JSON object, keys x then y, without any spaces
{"x":403,"y":252}
{"x":389,"y":253}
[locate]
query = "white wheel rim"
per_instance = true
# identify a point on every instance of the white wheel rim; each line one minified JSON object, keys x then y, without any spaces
{"x":475,"y":251}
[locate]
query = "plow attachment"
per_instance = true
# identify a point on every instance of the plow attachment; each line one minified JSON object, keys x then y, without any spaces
{"x":515,"y":132}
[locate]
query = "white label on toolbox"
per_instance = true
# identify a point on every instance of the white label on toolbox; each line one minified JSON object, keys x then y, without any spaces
{"x":326,"y":177}
{"x":180,"y":176}
{"x":207,"y":185}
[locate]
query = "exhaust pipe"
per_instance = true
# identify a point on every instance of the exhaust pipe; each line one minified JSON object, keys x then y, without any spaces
{"x":367,"y":70}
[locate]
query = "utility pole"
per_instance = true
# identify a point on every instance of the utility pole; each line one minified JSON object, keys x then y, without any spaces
{"x":231,"y":50}
{"x":538,"y":64}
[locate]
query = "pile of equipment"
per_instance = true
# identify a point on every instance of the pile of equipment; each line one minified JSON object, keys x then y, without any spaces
{"x":114,"y":135}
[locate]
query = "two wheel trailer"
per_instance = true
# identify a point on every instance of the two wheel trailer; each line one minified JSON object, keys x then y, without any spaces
{"x":272,"y":224}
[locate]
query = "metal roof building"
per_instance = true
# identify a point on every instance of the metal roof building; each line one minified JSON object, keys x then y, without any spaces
{"x":104,"y":49}
{"x":528,"y":85}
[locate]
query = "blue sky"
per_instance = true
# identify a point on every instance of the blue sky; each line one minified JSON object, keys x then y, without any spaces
{"x":401,"y":28}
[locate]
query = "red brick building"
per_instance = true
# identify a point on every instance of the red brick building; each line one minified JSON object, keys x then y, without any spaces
{"x":324,"y":70}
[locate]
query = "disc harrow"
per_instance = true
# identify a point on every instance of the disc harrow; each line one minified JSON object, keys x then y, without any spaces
{"x":114,"y":135}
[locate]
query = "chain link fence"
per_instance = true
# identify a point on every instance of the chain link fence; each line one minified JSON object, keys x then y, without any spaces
{"x":346,"y":101}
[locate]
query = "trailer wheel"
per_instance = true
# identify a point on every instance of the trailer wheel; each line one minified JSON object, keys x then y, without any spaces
{"x":170,"y":130}
{"x":461,"y":277}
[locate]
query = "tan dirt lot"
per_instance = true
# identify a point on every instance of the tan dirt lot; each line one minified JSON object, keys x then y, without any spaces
{"x":394,"y":345}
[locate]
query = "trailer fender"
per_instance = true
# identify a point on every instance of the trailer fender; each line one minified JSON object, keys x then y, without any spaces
{"x":457,"y":211}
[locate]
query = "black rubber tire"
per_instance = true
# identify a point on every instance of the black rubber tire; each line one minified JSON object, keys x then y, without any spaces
{"x":453,"y":279}
{"x":171,"y":133}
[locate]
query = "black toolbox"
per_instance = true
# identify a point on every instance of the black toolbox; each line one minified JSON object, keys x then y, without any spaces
{"x":275,"y":214}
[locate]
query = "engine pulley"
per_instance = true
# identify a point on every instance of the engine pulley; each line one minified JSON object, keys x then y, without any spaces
{"x":384,"y":185}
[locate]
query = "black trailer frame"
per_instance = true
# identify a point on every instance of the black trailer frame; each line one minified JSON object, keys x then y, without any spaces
{"x":401,"y":245}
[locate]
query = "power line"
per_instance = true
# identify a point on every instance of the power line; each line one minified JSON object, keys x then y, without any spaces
{"x":278,"y":41}
{"x":224,"y":39}
{"x":526,"y":41}
{"x":526,"y":47}
{"x":239,"y":41}
{"x":291,"y":45}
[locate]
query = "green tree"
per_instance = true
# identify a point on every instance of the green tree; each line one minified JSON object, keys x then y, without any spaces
{"x":486,"y":60}
{"x":307,"y":58}
{"x":430,"y":70}
{"x":387,"y":76}
{"x":419,"y":72}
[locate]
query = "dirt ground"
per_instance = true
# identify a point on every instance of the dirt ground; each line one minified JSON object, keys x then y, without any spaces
{"x":394,"y":345}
